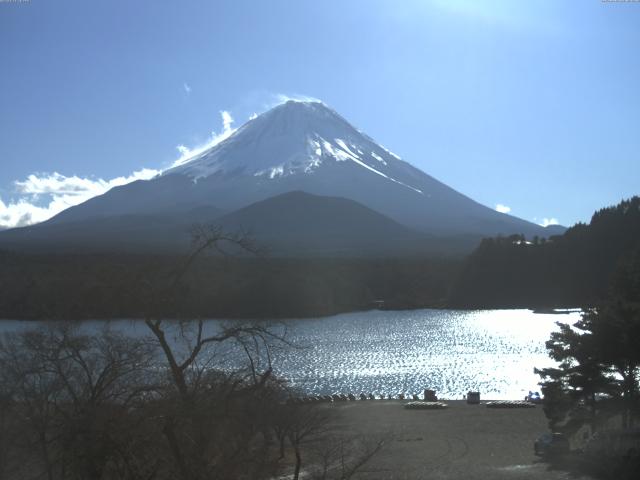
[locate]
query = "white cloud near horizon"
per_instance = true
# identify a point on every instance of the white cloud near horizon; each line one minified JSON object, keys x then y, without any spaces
{"x":549,"y":221}
{"x":41,"y":196}
{"x":502,"y":208}
{"x":187,"y":88}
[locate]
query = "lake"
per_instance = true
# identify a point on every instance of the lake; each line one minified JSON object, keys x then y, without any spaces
{"x":392,"y":352}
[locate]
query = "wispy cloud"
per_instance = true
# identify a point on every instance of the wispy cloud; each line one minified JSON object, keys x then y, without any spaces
{"x":187,"y":154}
{"x":502,"y":208}
{"x":284,"y":97}
{"x":227,"y":121}
{"x":41,"y":196}
{"x":264,"y":101}
{"x":186,"y":87}
{"x":549,"y":221}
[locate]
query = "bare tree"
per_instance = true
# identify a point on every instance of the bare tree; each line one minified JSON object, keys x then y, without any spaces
{"x":302,"y":423}
{"x":211,"y":428}
{"x":319,"y":444}
{"x":72,"y":395}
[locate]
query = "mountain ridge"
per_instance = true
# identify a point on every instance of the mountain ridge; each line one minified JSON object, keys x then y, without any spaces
{"x":302,"y":146}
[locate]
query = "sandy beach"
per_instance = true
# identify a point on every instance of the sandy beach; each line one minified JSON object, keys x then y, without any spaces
{"x":459,"y":442}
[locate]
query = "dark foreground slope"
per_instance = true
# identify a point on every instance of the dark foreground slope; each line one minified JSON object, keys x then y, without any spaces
{"x":298,"y":223}
{"x":165,"y":232}
{"x":293,"y":224}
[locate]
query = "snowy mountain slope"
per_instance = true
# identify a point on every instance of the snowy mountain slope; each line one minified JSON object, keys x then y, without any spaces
{"x":293,"y":139}
{"x":304,"y":146}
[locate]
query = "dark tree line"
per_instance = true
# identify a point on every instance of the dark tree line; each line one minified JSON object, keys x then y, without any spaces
{"x":120,"y":286}
{"x":572,"y":270}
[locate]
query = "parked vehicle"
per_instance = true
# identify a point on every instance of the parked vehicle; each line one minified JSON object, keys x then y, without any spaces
{"x":533,"y":397}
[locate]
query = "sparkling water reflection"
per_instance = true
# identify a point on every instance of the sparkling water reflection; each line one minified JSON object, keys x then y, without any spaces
{"x":491,"y":351}
{"x":392,"y":352}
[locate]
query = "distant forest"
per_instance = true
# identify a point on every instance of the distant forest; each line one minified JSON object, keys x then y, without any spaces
{"x":571,"y":270}
{"x":127,"y":286}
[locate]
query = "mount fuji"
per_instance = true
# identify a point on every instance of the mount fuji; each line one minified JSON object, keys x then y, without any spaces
{"x":247,"y":180}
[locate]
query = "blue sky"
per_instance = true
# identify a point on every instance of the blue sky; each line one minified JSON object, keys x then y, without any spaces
{"x":534,"y":106}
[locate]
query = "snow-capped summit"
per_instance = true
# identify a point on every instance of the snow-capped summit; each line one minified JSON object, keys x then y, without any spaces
{"x":291,"y":139}
{"x":302,"y":147}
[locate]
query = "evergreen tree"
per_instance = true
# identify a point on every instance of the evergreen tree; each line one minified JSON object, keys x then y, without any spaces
{"x":598,"y":355}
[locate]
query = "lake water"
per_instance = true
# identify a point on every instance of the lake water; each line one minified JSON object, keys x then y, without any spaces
{"x":392,"y":352}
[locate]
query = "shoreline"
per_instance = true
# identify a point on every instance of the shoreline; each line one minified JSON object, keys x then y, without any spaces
{"x":557,"y":310}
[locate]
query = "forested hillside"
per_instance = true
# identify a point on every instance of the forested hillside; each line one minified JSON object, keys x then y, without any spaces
{"x":127,"y":286}
{"x":574,"y":269}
